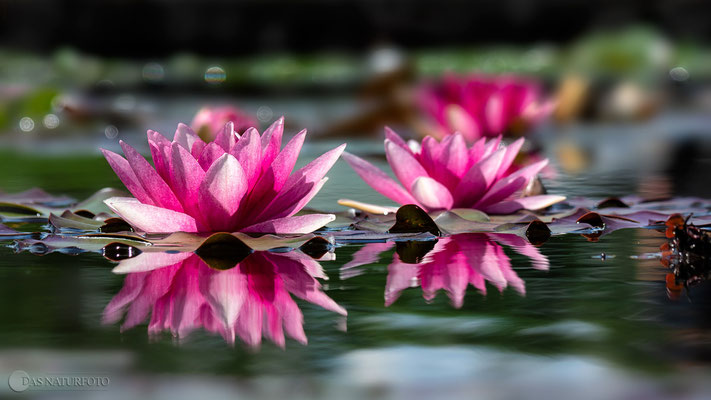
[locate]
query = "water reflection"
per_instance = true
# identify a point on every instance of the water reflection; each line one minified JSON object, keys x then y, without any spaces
{"x":452,"y":263}
{"x":251,"y":299}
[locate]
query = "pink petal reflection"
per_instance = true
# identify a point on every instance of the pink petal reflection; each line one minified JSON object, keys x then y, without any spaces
{"x":251,"y":300}
{"x":453,"y":264}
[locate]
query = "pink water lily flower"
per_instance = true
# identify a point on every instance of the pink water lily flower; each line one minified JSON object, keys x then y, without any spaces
{"x":453,"y":264}
{"x":449,"y":174}
{"x":235,"y":183}
{"x":181,"y":294}
{"x":208,"y":121}
{"x":478,"y":106}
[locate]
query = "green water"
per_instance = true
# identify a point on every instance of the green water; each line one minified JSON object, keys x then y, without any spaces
{"x":607,"y":325}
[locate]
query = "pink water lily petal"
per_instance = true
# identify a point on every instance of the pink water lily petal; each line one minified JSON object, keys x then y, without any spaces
{"x":454,"y":155}
{"x":429,"y":154}
{"x":248,"y":152}
{"x":491,"y":146}
{"x":226,"y":137}
{"x":209,"y":154}
{"x":451,"y":162}
{"x":125,"y":173}
{"x":476,"y":152}
{"x":221,"y":192}
{"x":431,"y":194}
{"x":300,"y":201}
{"x":528,"y":203}
{"x":271,"y":142}
{"x":186,"y":137}
{"x":403,"y":164}
{"x":511,"y":153}
{"x":152,"y":183}
{"x":273,"y":179}
{"x":510,"y":184}
{"x":186,"y":179}
{"x":148,"y":218}
{"x":379,"y":180}
{"x":161,"y":159}
{"x":160,"y":153}
{"x":477,"y":180}
{"x":395,"y":138}
{"x":316,"y":169}
{"x":295,"y":224}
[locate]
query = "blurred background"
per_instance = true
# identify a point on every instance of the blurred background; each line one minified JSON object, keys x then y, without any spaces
{"x":630,"y":80}
{"x":628,"y":90}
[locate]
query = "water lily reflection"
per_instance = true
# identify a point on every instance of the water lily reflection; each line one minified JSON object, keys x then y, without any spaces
{"x":254,"y":298}
{"x":452,"y":264}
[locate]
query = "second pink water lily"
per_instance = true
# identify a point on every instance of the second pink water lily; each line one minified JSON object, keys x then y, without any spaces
{"x":208,"y":121}
{"x":449,"y":174}
{"x":483,"y":106}
{"x":234,"y":183}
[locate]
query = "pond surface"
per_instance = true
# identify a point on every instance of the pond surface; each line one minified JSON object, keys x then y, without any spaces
{"x":480,"y":316}
{"x":506,"y":321}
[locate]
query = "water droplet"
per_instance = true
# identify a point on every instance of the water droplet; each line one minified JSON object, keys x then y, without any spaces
{"x":153,"y":72}
{"x":679,"y":74}
{"x":111,"y":132}
{"x":50,"y":121}
{"x":215,"y":75}
{"x":27,"y":124}
{"x":265,"y":114}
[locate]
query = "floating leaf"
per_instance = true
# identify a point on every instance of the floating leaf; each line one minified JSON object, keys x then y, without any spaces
{"x":452,"y":223}
{"x":70,"y":220}
{"x":412,"y":219}
{"x":537,"y":232}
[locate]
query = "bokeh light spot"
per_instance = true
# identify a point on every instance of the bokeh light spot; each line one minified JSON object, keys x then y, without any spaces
{"x":153,"y":72}
{"x":215,"y":75}
{"x":27,"y":124}
{"x":679,"y":74}
{"x":265,"y":114}
{"x":50,"y":121}
{"x":111,"y":132}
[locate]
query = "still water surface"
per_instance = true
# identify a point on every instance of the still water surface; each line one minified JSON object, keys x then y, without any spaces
{"x":481,"y":316}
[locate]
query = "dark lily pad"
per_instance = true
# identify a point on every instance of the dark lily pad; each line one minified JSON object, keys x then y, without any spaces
{"x":537,"y":232}
{"x":412,"y":219}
